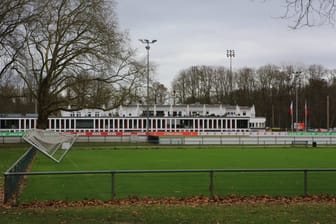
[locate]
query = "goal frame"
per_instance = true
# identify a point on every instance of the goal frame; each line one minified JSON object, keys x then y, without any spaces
{"x":64,"y":142}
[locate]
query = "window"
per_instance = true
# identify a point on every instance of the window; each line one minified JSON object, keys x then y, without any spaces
{"x":242,"y":123}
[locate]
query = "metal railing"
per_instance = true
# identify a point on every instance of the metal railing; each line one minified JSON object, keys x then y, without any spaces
{"x":10,"y":176}
{"x":199,"y":140}
{"x":12,"y":182}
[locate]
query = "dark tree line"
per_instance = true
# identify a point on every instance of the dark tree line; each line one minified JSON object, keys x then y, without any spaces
{"x":270,"y":88}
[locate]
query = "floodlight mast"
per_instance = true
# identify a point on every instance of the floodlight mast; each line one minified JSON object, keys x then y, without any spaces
{"x":147,"y":43}
{"x":230,"y":54}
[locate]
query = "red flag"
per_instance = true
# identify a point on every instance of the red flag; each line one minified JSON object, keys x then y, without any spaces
{"x":291,"y":109}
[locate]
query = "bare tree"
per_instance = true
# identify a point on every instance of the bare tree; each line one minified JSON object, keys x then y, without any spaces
{"x":310,"y":12}
{"x":202,"y":84}
{"x":69,"y":39}
{"x":13,"y":14}
{"x":221,"y":85}
{"x":246,"y":84}
{"x":159,"y":93}
{"x":180,"y":87}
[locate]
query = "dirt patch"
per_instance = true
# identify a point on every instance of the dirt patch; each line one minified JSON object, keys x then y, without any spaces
{"x":188,"y":201}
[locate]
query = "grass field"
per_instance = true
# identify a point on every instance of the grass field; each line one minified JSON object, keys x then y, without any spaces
{"x":8,"y":155}
{"x":233,"y":214}
{"x":77,"y":187}
{"x":69,"y":187}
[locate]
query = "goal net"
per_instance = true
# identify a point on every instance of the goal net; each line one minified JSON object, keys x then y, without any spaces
{"x":54,"y":145}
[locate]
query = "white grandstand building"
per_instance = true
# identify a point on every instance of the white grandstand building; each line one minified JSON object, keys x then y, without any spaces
{"x":194,"y":118}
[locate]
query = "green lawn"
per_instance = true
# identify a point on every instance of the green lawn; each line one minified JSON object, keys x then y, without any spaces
{"x":209,"y":158}
{"x":229,"y":214}
{"x":8,"y":155}
{"x":77,"y":187}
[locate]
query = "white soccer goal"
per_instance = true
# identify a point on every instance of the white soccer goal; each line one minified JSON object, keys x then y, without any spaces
{"x":54,"y":145}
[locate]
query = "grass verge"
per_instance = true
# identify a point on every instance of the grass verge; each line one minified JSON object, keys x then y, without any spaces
{"x":259,"y":213}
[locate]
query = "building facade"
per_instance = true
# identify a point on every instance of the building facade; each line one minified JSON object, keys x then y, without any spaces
{"x":195,"y":118}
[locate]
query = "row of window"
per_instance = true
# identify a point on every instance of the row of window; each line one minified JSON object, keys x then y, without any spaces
{"x":157,"y":114}
{"x":116,"y":124}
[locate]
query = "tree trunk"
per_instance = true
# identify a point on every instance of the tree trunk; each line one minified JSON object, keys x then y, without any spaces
{"x":43,"y":113}
{"x":42,"y":120}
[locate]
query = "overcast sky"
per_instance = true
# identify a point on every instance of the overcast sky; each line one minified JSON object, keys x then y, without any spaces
{"x":198,"y":32}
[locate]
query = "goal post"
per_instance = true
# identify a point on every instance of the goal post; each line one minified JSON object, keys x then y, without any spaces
{"x":54,"y":145}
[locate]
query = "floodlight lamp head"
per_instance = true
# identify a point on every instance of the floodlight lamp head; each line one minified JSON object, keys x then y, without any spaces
{"x":144,"y":41}
{"x":230,"y":53}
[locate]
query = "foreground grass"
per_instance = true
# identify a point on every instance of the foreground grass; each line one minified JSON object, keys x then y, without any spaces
{"x":312,"y":213}
{"x":78,"y":187}
{"x":260,"y":213}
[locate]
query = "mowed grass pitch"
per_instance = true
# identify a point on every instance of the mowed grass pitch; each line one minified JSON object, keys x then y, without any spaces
{"x":78,"y":187}
{"x":236,"y":213}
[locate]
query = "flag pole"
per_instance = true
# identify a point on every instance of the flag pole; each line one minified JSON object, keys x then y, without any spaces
{"x":291,"y":114}
{"x":292,"y":124}
{"x":306,"y":114}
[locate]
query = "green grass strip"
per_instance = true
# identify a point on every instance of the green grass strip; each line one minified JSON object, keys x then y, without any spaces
{"x":259,"y":213}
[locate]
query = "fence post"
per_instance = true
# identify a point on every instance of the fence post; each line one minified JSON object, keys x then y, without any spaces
{"x":113,"y":186}
{"x":305,"y":172}
{"x":211,"y":186}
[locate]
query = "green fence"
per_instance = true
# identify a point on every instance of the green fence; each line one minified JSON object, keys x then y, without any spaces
{"x":12,"y":134}
{"x":209,"y":181}
{"x":13,"y":182}
{"x":314,"y":133}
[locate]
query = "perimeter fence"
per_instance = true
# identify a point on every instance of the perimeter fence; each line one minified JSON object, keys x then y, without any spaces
{"x":259,"y":140}
{"x":13,"y":182}
{"x":66,"y":185}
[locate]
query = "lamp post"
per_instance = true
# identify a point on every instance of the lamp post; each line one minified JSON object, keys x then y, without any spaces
{"x":328,"y":112}
{"x":296,"y":107}
{"x":230,"y":54}
{"x":298,"y":73}
{"x":147,"y":43}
